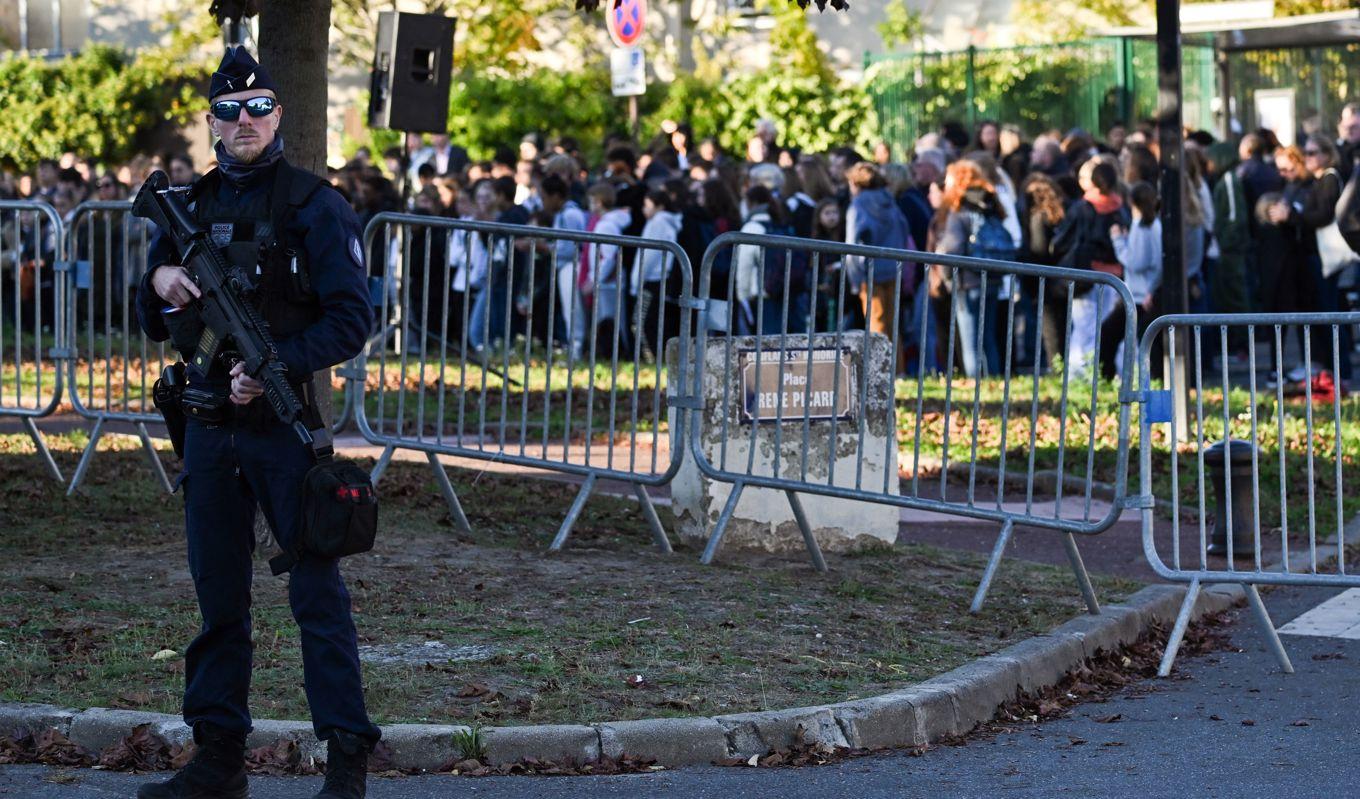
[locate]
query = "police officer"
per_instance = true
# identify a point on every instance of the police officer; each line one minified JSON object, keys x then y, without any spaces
{"x":301,"y":242}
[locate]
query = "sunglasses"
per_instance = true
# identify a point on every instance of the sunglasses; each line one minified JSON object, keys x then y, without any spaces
{"x":1312,"y":152}
{"x":230,"y":110}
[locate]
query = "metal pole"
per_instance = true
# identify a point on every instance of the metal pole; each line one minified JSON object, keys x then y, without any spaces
{"x":23,"y":25}
{"x":633,"y":124}
{"x":970,"y":87}
{"x":1224,"y":94}
{"x":1170,"y":138}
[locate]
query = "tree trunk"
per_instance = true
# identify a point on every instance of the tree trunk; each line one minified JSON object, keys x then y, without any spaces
{"x":686,"y":43}
{"x":294,"y":47}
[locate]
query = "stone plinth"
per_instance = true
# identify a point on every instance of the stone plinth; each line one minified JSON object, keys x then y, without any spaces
{"x":763,"y":520}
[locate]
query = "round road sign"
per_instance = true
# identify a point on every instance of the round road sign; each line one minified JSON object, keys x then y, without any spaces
{"x":625,"y":21}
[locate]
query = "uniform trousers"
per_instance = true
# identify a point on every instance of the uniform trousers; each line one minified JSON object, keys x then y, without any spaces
{"x":229,"y":468}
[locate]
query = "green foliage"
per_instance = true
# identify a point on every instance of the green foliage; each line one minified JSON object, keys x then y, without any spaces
{"x":901,"y":25}
{"x":102,"y":102}
{"x":793,"y":43}
{"x":812,"y":113}
{"x":470,"y":743}
{"x":486,"y":112}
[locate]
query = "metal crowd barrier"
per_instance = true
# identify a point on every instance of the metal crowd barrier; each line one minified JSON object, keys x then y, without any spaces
{"x":32,"y":334}
{"x":901,"y":311}
{"x":1250,"y":408}
{"x":456,"y":369}
{"x":107,"y":246}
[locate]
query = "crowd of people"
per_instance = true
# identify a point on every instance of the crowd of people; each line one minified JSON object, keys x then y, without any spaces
{"x":1257,"y":214}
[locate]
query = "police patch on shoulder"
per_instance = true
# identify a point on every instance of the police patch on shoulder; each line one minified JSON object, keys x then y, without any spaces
{"x":356,"y":251}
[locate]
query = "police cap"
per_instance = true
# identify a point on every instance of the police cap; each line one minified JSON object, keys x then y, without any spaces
{"x":238,"y":72}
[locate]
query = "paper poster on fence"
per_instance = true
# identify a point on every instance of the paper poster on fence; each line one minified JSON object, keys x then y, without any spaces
{"x":820,"y":388}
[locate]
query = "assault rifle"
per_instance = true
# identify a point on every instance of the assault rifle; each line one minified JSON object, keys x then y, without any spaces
{"x":225,"y":308}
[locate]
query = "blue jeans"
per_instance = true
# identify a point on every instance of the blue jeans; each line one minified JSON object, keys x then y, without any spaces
{"x":972,"y":308}
{"x":486,"y":321}
{"x":772,"y":314}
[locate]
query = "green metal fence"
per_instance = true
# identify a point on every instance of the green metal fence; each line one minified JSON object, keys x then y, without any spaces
{"x":1089,"y":84}
{"x":1323,"y":79}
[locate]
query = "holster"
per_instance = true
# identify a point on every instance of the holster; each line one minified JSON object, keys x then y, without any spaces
{"x":167,"y":394}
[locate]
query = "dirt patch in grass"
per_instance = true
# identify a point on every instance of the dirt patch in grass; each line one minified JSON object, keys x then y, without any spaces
{"x":95,"y":586}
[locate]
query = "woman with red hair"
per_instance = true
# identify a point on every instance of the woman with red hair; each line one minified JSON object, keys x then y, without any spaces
{"x":972,"y":225}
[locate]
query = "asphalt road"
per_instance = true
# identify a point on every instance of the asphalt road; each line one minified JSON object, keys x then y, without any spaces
{"x":1184,"y":737}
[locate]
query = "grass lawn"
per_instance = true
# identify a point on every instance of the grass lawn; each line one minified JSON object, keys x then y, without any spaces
{"x":95,"y":586}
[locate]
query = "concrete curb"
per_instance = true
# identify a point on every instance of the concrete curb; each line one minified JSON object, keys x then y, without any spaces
{"x":950,"y":704}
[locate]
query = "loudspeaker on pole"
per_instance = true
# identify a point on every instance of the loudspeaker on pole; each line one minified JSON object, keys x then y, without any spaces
{"x":412,"y":66}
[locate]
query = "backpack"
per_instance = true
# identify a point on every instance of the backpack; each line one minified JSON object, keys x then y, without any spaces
{"x":776,"y":258}
{"x":990,"y":239}
{"x":1348,"y":212}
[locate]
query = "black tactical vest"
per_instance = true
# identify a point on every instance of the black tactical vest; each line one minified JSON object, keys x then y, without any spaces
{"x":254,"y":234}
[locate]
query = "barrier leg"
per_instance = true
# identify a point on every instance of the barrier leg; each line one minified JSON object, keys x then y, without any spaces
{"x":663,"y":544}
{"x":450,"y":496}
{"x":998,"y":550}
{"x":1173,"y":644}
{"x":1259,"y":608}
{"x":814,"y":550}
{"x":719,"y":529}
{"x":1088,"y":592}
{"x":564,"y":532}
{"x":86,"y":457}
{"x":43,"y":451}
{"x":381,"y":466}
{"x":155,"y":459}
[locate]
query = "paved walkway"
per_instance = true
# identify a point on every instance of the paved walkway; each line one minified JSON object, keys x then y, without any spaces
{"x":1227,"y":725}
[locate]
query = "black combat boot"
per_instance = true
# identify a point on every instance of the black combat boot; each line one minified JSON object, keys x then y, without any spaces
{"x":346,"y":767}
{"x":217,"y":771}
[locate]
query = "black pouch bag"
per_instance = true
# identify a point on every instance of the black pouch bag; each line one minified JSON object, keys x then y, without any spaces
{"x":339,"y":514}
{"x":339,"y":505}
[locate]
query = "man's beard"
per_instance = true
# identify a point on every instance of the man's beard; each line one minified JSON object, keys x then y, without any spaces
{"x":249,"y":152}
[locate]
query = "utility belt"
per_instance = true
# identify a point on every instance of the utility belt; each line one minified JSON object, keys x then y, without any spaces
{"x":339,"y":505}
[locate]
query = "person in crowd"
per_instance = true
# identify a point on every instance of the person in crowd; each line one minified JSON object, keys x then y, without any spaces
{"x":1139,"y":250}
{"x":1283,"y":241}
{"x":1042,"y":213}
{"x":600,"y":286}
{"x":927,"y":168}
{"x":1203,"y":239}
{"x":1015,"y":153}
{"x":750,"y":264}
{"x":1083,"y":242}
{"x":969,"y":204}
{"x":883,"y":154}
{"x":182,"y":170}
{"x":652,"y":268}
{"x":563,"y":260}
{"x":829,"y":303}
{"x":1308,"y":212}
{"x":712,"y":211}
{"x":528,"y":175}
{"x":1139,"y":165}
{"x":1116,"y":136}
{"x":800,"y":205}
{"x":1230,"y":286}
{"x":488,"y":320}
{"x":874,"y":219}
{"x":1347,"y":138}
{"x":987,"y":138}
{"x":814,"y":177}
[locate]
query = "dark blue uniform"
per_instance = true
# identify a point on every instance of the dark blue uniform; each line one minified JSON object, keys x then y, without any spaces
{"x":250,"y":458}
